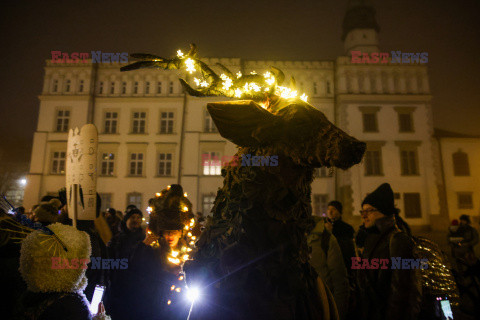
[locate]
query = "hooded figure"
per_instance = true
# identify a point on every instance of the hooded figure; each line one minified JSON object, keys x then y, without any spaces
{"x":385,"y":292}
{"x":53,"y":267}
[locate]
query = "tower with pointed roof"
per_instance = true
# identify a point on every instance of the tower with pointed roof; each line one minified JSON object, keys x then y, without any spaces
{"x":360,"y":28}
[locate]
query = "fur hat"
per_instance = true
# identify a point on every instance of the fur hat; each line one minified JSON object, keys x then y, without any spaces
{"x":170,"y":211}
{"x":382,"y":199}
{"x":46,"y":213}
{"x":36,"y":261}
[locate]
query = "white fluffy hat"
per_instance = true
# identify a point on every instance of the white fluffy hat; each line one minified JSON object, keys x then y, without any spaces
{"x":37,"y":252}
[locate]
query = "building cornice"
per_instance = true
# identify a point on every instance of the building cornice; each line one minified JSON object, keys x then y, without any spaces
{"x":384,"y":98}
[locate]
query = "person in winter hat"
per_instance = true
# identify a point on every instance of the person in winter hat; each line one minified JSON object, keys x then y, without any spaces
{"x":53,"y":263}
{"x":46,"y":214}
{"x":385,"y":293}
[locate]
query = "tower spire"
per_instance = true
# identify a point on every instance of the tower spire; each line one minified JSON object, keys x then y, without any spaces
{"x":360,"y":28}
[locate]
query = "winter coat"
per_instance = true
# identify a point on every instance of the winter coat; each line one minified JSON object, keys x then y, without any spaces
{"x":388,"y":294}
{"x":329,"y":265}
{"x":344,"y":234}
{"x":150,"y":282}
{"x":121,"y":246}
{"x":53,"y":306}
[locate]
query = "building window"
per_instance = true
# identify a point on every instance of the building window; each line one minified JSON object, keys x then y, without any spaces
{"x":106,"y":201}
{"x":58,"y":162}
{"x":211,"y":164}
{"x":323,"y":172}
{"x":147,"y":87}
{"x":55,"y":86}
{"x":124,"y":87}
{"x":80,"y":88}
{"x":409,"y":162}
{"x":166,"y":122}
{"x":465,"y":200}
{"x":209,"y":124}
{"x":135,"y":87}
{"x":136,"y":164}
{"x":170,"y":89}
{"x":370,"y":122}
{"x":461,"y":166}
{"x":112,"y":87}
{"x":108,"y":164}
{"x":134,"y":198}
{"x":165,"y":164}
{"x":159,"y":87}
{"x":111,"y":119}
{"x":139,"y":119}
{"x":67,"y":85}
{"x":100,"y":88}
{"x":63,"y":120}
{"x":315,"y":88}
{"x":412,"y":205}
{"x":207,"y":203}
{"x":373,"y":163}
{"x":328,"y":87}
{"x":320,"y":202}
{"x":405,"y":122}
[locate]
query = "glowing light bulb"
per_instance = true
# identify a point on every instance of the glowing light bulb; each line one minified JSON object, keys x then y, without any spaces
{"x":189,"y":249}
{"x":185,"y":208}
{"x":238,"y":93}
{"x":149,"y":209}
{"x":178,"y":289}
{"x":168,"y":187}
{"x":179,"y":53}
{"x":172,"y":288}
{"x":190,"y":65}
{"x":158,"y":194}
{"x":194,"y":238}
{"x":253,"y":72}
{"x":239,"y":74}
{"x":197,"y":81}
{"x":185,"y":194}
{"x":304,"y":97}
{"x":169,"y":302}
{"x":192,"y":243}
{"x":186,"y":227}
{"x":174,"y":253}
{"x":180,"y":278}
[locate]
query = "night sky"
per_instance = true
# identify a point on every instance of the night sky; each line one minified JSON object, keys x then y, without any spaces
{"x":286,"y":30}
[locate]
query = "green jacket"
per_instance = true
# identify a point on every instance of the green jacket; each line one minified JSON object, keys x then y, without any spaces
{"x":330,"y":266}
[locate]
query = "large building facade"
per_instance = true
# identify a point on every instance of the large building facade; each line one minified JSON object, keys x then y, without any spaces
{"x":151,"y":134}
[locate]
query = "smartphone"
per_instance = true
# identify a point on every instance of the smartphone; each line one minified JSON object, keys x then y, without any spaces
{"x":445,"y":308}
{"x":97,"y":298}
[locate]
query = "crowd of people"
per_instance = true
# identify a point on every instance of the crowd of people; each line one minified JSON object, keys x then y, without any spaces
{"x":148,"y":281}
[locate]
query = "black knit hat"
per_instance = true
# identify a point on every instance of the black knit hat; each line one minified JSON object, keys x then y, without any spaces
{"x":131,"y":213}
{"x":382,"y":199}
{"x":336,"y":204}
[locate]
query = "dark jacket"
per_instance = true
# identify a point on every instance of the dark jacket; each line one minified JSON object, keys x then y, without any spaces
{"x":53,"y":306}
{"x":344,"y":234}
{"x":388,"y":294}
{"x":121,"y":246}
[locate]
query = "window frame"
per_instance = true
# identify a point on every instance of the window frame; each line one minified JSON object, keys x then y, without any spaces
{"x":63,"y":118}
{"x":140,"y":120}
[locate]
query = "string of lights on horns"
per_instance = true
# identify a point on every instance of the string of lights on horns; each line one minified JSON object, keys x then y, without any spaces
{"x":235,"y":87}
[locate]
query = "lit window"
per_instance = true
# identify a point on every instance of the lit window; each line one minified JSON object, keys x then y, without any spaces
{"x":63,"y":120}
{"x":111,"y":119}
{"x":136,"y":164}
{"x":108,"y":164}
{"x":58,"y":162}
{"x":211,"y":164}
{"x":165,"y":164}
{"x":208,"y":201}
{"x":166,"y":122}
{"x":134,"y":198}
{"x":320,"y":204}
{"x":138,"y":124}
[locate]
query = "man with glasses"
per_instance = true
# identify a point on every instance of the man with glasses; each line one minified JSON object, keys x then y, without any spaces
{"x":385,"y":292}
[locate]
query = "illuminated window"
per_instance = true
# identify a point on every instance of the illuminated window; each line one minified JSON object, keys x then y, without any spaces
{"x":207,"y":203}
{"x":211,"y":164}
{"x":58,"y":162}
{"x":106,"y":201}
{"x":320,"y":202}
{"x":134,"y":198}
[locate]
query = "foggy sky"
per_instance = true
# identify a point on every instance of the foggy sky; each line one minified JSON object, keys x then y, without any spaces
{"x":269,"y":30}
